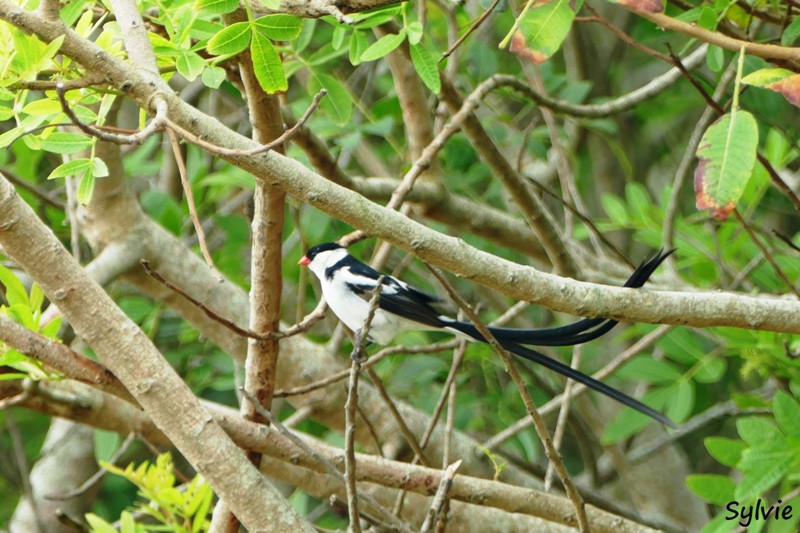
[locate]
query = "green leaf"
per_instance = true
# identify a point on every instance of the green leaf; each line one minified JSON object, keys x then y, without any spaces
{"x":787,"y":413}
{"x":267,"y":65}
{"x":358,"y":44}
{"x":61,"y":142}
{"x":190,"y":65}
{"x":682,"y":402}
{"x":337,"y":39}
{"x":759,"y":433}
{"x":630,"y":421}
{"x":650,"y":370}
{"x":615,"y":209}
{"x":542,"y":29}
{"x":36,"y":297}
{"x":426,"y":67}
{"x":127,"y":522}
{"x":99,"y":525}
{"x":791,"y":33}
{"x":727,"y":155}
{"x":766,"y":76}
{"x":712,"y":488}
{"x":99,"y":168}
{"x":42,"y":107}
{"x":725,"y":451}
{"x":15,"y":290}
{"x":71,"y":168}
{"x":710,"y":370}
{"x":779,"y":80}
{"x":762,"y":470}
{"x":715,"y":59}
{"x":86,"y":188}
{"x":383,"y":46}
{"x":218,"y":7}
{"x":279,"y":27}
{"x":272,"y":4}
{"x":337,"y":103}
{"x":414,"y":31}
{"x":230,"y":40}
{"x":213,"y":77}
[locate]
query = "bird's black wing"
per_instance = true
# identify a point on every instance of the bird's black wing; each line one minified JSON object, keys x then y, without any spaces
{"x":398,"y":298}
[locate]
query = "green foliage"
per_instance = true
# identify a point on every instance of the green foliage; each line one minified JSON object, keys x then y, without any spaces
{"x":181,"y":509}
{"x":26,"y":309}
{"x":766,"y":455}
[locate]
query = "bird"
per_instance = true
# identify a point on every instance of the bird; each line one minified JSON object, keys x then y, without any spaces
{"x":348,"y":285}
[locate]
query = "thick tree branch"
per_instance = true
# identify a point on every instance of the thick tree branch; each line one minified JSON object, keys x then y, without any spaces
{"x":127,"y":352}
{"x":105,"y":413}
{"x":766,"y":51}
{"x":700,"y":309}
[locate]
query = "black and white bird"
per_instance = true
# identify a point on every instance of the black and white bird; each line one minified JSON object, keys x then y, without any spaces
{"x":348,"y":285}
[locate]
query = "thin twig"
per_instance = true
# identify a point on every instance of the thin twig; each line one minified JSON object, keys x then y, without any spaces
{"x":309,"y":320}
{"x":97,"y":476}
{"x":157,"y":124}
{"x":524,"y":423}
{"x":319,"y":458}
{"x":197,"y":303}
{"x":33,"y":189}
{"x":538,"y":422}
{"x":357,"y":356}
{"x":187,"y":189}
{"x":230,"y":152}
{"x":22,"y":467}
{"x":446,"y":395}
{"x":786,"y":239}
{"x":767,"y":254}
{"x":17,"y":399}
{"x":624,"y":37}
{"x":475,"y":25}
{"x":401,"y":423}
{"x":563,"y":414}
{"x":342,"y":374}
{"x":445,"y":483}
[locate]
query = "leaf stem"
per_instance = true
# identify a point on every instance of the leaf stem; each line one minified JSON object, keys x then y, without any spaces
{"x":738,"y":82}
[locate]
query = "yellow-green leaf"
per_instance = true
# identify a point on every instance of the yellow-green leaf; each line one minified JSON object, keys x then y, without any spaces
{"x":383,"y":46}
{"x":267,"y":65}
{"x":230,"y":40}
{"x":279,"y":27}
{"x":426,"y":67}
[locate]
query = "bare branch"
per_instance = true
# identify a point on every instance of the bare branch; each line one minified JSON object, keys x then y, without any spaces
{"x":538,"y":422}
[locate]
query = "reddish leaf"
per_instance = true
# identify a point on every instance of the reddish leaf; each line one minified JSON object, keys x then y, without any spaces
{"x":646,"y":6}
{"x":703,"y":200}
{"x":789,"y":88}
{"x":518,"y":47}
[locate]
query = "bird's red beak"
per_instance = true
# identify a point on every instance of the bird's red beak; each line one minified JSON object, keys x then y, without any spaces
{"x":304,"y":261}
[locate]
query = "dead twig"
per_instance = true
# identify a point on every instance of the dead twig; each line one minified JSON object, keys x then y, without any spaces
{"x":357,"y":356}
{"x":230,"y":152}
{"x":157,"y":124}
{"x":445,"y":483}
{"x":538,"y":422}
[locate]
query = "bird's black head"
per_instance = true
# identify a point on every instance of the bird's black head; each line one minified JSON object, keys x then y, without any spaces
{"x":314,"y":250}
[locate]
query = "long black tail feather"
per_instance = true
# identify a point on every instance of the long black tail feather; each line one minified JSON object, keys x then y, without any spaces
{"x":571,"y":334}
{"x":580,"y":377}
{"x":578,"y":332}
